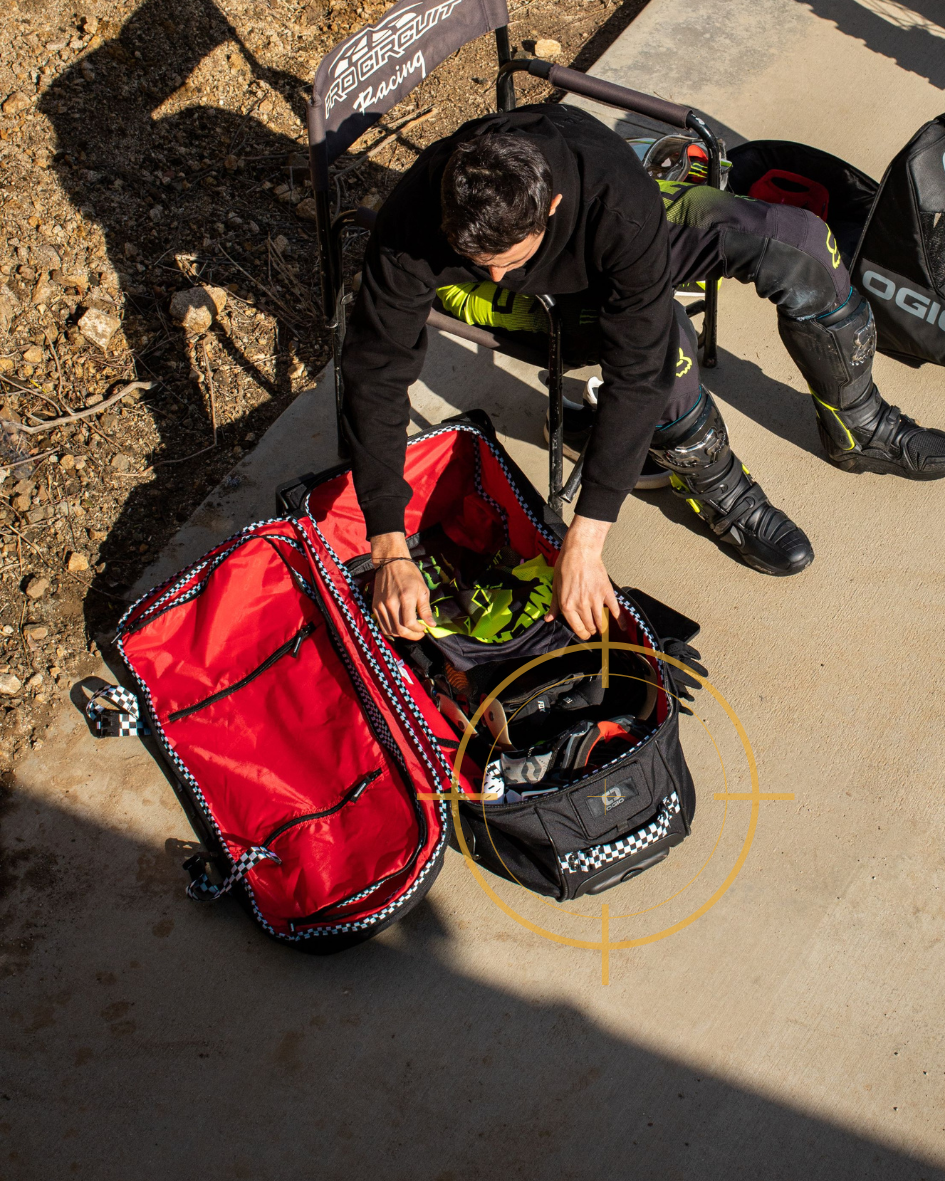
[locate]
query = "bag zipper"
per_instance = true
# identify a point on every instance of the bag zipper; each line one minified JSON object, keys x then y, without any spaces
{"x":291,"y":645}
{"x":348,"y":798}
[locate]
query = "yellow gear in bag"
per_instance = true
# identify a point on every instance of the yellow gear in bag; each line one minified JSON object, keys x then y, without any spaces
{"x":494,"y":617}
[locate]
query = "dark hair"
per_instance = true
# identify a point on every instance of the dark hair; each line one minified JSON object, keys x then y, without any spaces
{"x":496,"y":190}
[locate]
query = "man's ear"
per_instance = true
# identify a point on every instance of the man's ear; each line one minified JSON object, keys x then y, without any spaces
{"x":555,"y":202}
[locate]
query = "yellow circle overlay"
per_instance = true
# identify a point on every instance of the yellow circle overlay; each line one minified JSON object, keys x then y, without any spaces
{"x":595,"y":945}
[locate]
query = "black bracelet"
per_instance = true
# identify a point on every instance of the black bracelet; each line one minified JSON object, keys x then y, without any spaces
{"x":387,"y":561}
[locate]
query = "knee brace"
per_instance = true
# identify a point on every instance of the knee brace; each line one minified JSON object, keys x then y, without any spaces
{"x":695,"y":443}
{"x":834,"y":352}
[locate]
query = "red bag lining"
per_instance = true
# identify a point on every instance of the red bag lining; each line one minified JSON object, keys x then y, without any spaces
{"x":256,"y":782}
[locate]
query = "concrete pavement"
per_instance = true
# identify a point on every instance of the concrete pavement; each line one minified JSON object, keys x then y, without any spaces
{"x":793,"y":1031}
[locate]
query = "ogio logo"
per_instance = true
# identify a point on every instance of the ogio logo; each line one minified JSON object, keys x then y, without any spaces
{"x":612,"y":798}
{"x":914,"y":302}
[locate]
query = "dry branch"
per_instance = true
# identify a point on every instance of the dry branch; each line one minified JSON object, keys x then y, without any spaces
{"x":49,"y":424}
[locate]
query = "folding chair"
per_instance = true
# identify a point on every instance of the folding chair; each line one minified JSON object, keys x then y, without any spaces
{"x":370,"y":72}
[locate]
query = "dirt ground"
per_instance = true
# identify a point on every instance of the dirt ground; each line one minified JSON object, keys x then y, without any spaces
{"x":146,"y":149}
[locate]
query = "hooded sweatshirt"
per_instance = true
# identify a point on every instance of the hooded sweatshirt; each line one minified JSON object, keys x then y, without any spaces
{"x":608,"y":237}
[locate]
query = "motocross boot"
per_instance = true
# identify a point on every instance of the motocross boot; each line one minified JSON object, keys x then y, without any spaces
{"x":711,"y":478}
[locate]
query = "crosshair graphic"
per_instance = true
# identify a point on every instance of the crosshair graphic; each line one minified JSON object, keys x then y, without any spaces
{"x":605,"y":945}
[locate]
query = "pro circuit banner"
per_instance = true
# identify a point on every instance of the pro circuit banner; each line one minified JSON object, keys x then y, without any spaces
{"x":370,"y":72}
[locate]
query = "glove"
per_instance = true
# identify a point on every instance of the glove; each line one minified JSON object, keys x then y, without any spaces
{"x":682,"y":681}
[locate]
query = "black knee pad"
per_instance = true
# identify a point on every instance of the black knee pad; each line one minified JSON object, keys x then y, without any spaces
{"x":834,"y":355}
{"x":799,"y":283}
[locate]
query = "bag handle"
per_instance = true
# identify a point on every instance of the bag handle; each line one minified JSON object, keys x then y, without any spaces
{"x":123,"y":721}
{"x":201,"y":889}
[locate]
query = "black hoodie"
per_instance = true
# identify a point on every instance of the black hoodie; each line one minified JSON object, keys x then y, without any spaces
{"x":608,"y":235}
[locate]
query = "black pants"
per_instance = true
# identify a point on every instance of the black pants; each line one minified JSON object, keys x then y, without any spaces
{"x":789,"y":255}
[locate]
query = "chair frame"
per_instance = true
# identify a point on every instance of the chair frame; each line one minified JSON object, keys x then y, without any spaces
{"x":331,"y":231}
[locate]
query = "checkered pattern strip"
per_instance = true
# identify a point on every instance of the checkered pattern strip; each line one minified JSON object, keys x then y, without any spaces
{"x":586,"y":860}
{"x":202,"y":889}
{"x":477,"y":475}
{"x":121,"y":722}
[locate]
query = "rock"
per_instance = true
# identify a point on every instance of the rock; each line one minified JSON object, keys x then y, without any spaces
{"x":121,"y":463}
{"x":65,"y":279}
{"x":314,"y":12}
{"x":10,"y":685}
{"x":37,"y":633}
{"x":87,"y":72}
{"x":307,"y":210}
{"x":45,"y":258}
{"x":35,"y":682}
{"x":547,"y":47}
{"x":67,"y":463}
{"x":44,"y":291}
{"x":7,"y":364}
{"x":8,"y":308}
{"x":15,"y":103}
{"x":281,"y":243}
{"x":196,"y":308}
{"x":78,"y":562}
{"x":34,"y":354}
{"x":37,"y":587}
{"x":156,"y":214}
{"x":21,"y":503}
{"x":98,"y":327}
{"x":231,"y":163}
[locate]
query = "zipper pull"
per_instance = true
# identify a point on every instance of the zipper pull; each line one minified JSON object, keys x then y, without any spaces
{"x":303,"y":634}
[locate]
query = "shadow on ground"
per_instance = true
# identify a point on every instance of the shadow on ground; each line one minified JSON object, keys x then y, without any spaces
{"x":149,"y":1036}
{"x":902,"y":34}
{"x":113,"y":146}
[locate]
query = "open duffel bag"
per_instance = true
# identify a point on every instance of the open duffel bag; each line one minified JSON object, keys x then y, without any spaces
{"x":307,"y":752}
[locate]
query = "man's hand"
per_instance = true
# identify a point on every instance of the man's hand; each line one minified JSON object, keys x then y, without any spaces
{"x":401,"y":598}
{"x":581,"y":587}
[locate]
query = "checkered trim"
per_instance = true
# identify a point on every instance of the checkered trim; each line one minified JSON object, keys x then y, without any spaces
{"x":477,"y":476}
{"x":179,"y":583}
{"x":121,"y":722}
{"x":201,"y":889}
{"x":587,"y":860}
